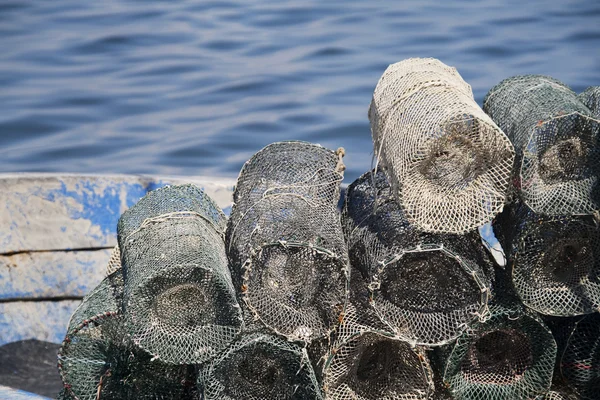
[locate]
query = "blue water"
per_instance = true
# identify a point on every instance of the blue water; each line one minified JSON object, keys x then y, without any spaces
{"x":196,"y":87}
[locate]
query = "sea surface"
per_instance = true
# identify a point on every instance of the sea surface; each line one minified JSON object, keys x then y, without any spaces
{"x":196,"y":87}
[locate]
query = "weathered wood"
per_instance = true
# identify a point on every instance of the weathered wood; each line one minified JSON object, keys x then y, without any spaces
{"x":46,"y":275}
{"x":7,"y":393}
{"x":40,"y":212}
{"x":42,"y":320}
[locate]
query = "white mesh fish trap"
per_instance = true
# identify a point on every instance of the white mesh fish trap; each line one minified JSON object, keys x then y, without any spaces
{"x":365,"y":363}
{"x":285,"y":242}
{"x":179,"y":300}
{"x":448,"y":162}
{"x":591,"y":99}
{"x":580,"y":360}
{"x":510,"y":356}
{"x":556,"y":141}
{"x":554,"y":260}
{"x":97,"y":361}
{"x":260,"y":366}
{"x":558,"y":394}
{"x":427,"y":288}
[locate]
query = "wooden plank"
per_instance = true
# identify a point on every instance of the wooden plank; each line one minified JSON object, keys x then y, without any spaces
{"x":40,"y":212}
{"x":49,"y":275}
{"x":7,"y":393}
{"x":42,"y":320}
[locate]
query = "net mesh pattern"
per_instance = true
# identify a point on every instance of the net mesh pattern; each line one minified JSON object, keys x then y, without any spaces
{"x":580,"y":361}
{"x":97,"y":361}
{"x":558,"y":394}
{"x":260,"y":366}
{"x":426,"y":288}
{"x":285,"y":242}
{"x":591,"y":99}
{"x":114,"y":262}
{"x":510,"y":356}
{"x":448,"y":162}
{"x":554,"y":260}
{"x":179,"y":300}
{"x":367,"y":363}
{"x":556,"y":141}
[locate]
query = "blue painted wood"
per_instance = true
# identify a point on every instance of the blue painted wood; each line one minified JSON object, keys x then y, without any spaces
{"x":46,"y":275}
{"x":7,"y":393}
{"x":65,"y":212}
{"x":42,"y":320}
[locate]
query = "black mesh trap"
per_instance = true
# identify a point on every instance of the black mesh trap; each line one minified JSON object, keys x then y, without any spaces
{"x":284,"y":239}
{"x":427,"y":288}
{"x":260,"y":367}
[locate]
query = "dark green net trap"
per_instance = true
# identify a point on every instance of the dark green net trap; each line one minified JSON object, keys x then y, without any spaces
{"x":555,"y":137}
{"x":179,"y":300}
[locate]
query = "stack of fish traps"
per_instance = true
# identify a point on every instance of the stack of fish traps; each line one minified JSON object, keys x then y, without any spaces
{"x":393,"y":297}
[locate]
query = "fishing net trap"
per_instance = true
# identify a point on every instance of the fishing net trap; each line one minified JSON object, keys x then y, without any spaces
{"x":179,"y":300}
{"x":426,"y":288}
{"x":591,"y":99}
{"x":97,"y":360}
{"x":260,"y":366}
{"x":553,"y":260}
{"x":510,"y":356}
{"x":285,"y":242}
{"x":556,"y":142}
{"x":447,"y":161}
{"x":580,"y":360}
{"x":365,"y":363}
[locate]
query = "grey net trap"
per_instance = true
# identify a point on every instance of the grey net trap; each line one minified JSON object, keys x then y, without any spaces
{"x":554,"y":260}
{"x":98,"y":361}
{"x":579,"y":362}
{"x":285,"y":242}
{"x":426,"y":288}
{"x":367,"y":363}
{"x":260,"y":366}
{"x":448,"y":162}
{"x":556,"y":142}
{"x":510,"y":356}
{"x":179,"y":300}
{"x":591,"y":99}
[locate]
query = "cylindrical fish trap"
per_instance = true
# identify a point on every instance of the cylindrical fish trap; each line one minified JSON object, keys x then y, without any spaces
{"x":97,"y":360}
{"x":554,"y":261}
{"x":260,"y":367}
{"x":365,"y":363}
{"x":427,"y":288}
{"x":510,"y":356}
{"x":556,"y":141}
{"x":285,"y":242}
{"x":580,"y":361}
{"x":591,"y":99}
{"x":448,"y":162}
{"x":558,"y":393}
{"x":179,"y":300}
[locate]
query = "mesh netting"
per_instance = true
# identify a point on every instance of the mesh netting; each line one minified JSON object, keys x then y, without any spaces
{"x":260,"y":367}
{"x":179,"y":300}
{"x":554,"y":260}
{"x":369,"y":364}
{"x":591,"y":99}
{"x":558,"y":394}
{"x":556,"y":142}
{"x":427,"y":288}
{"x":580,"y":361}
{"x":448,"y":162}
{"x":510,"y":356}
{"x":97,"y":361}
{"x":114,"y":262}
{"x":284,"y":239}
